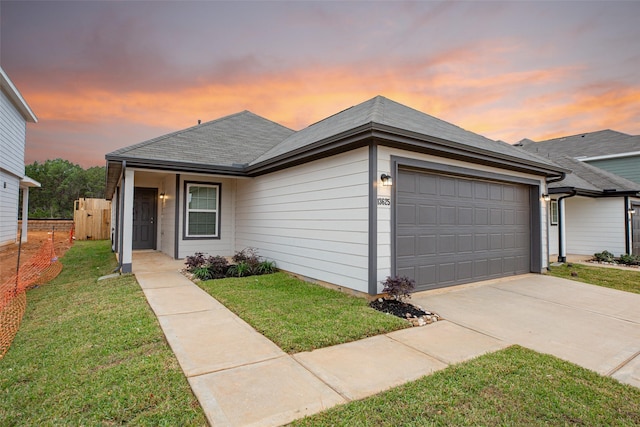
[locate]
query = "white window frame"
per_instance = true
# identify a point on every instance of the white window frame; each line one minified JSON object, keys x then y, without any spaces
{"x":187,"y":210}
{"x":553,"y":212}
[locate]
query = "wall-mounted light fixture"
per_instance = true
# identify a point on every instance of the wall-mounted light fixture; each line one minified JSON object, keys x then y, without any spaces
{"x":161,"y":196}
{"x":386,"y":180}
{"x":546,"y":197}
{"x":631,"y":211}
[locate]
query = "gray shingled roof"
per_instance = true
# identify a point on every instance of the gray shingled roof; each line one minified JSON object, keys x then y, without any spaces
{"x":383,"y":111}
{"x":590,"y":144}
{"x":229,"y":141}
{"x":591,"y":178}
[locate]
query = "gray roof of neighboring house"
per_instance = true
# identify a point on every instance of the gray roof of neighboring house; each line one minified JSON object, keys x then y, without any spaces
{"x":592,"y":144}
{"x":383,"y":111}
{"x":591,"y":178}
{"x":230,"y":141}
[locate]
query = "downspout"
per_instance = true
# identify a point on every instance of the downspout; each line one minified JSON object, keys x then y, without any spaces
{"x":562,"y":176}
{"x":627,"y":225}
{"x":562,"y":256}
{"x":121,"y":214}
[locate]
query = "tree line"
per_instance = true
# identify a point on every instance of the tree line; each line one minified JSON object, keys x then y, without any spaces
{"x":62,"y":182}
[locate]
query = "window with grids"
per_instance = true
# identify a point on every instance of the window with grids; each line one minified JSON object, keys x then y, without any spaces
{"x":553,"y":208}
{"x":202,"y":210}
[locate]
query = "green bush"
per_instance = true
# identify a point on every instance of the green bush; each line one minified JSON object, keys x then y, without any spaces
{"x":604,"y":256}
{"x":629,"y":259}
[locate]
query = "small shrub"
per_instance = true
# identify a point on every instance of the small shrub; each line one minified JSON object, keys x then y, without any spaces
{"x":604,"y":256}
{"x":240,"y":269}
{"x":629,"y":259}
{"x":399,"y":287}
{"x":248,"y":255}
{"x":267,"y":267}
{"x":217,"y":266}
{"x":202,"y":273}
{"x":194,"y":261}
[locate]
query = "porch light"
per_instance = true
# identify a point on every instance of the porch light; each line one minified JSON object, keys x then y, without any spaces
{"x":161,"y":196}
{"x":386,"y":180}
{"x":546,"y":197}
{"x":631,"y":212}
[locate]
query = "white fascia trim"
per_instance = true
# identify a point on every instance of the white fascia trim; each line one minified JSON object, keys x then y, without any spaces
{"x":29,"y":182}
{"x":15,"y":96}
{"x":608,"y":156}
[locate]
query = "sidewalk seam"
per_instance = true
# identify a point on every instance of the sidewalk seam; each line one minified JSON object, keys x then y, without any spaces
{"x":236,"y":366}
{"x":347,"y":399}
{"x":622,"y":364}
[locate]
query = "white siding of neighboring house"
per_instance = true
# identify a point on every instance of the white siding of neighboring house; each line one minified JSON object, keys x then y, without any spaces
{"x":311,"y":219}
{"x":384,"y":212}
{"x":223,"y":246}
{"x":12,"y":144}
{"x":12,"y":138}
{"x":8,"y":208}
{"x":594,"y":225}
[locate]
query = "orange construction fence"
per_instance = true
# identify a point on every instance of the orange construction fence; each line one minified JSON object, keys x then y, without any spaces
{"x":39,"y":269}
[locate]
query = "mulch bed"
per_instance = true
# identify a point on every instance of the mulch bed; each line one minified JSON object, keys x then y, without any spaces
{"x":414,"y":314}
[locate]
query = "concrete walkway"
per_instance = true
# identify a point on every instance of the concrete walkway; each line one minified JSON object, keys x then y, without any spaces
{"x":243,"y":379}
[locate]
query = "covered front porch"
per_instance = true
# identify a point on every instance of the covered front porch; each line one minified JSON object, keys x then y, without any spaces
{"x":175,"y":214}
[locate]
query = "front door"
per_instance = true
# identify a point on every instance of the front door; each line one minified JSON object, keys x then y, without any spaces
{"x":635,"y":230}
{"x":144,"y":218}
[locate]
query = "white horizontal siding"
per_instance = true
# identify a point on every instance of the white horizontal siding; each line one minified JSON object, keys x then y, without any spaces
{"x":12,"y":137}
{"x":594,"y":225}
{"x":311,"y":219}
{"x":8,"y":208}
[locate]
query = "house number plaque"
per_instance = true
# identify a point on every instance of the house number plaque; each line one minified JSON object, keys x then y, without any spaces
{"x":384,"y":201}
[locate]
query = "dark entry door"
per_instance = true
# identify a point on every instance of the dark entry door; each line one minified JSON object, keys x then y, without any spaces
{"x":635,"y":229}
{"x":144,"y":218}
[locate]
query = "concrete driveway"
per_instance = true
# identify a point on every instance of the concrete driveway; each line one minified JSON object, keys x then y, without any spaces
{"x":592,"y":326}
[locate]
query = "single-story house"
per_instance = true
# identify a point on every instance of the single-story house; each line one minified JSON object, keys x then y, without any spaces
{"x":14,"y":116}
{"x":376,"y":190}
{"x":592,"y":209}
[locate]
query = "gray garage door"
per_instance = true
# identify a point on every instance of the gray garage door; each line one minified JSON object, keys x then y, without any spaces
{"x":452,"y":230}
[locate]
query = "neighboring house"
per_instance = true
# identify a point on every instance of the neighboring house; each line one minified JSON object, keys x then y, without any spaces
{"x":14,"y":115}
{"x":376,"y":190}
{"x":610,"y":150}
{"x":593,"y":209}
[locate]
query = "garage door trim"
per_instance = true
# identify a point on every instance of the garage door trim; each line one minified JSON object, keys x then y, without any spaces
{"x":398,"y":162}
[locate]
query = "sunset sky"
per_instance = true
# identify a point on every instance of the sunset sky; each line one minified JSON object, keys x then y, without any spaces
{"x":103,"y":75}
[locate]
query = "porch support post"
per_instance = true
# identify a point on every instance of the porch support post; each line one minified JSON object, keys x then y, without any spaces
{"x":25,"y":213}
{"x":127,"y":223}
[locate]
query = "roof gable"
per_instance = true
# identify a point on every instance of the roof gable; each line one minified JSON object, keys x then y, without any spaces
{"x":16,"y":98}
{"x":383,"y":111}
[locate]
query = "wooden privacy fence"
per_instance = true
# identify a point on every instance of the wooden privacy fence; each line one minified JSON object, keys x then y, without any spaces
{"x":92,"y":219}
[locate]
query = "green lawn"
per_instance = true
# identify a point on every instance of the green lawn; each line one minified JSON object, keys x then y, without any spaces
{"x":300,"y":316}
{"x":512,"y":387}
{"x":623,"y":280}
{"x":92,"y":353}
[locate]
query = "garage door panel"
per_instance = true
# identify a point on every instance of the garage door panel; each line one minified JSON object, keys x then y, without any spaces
{"x":428,"y":215}
{"x":406,"y":214}
{"x":427,"y":245}
{"x":406,"y":246}
{"x":460,"y":230}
